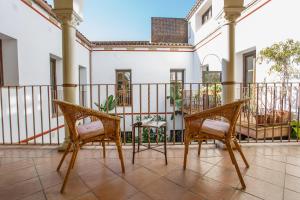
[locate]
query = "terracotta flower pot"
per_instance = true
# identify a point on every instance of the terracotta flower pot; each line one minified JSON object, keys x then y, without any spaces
{"x":260,"y":119}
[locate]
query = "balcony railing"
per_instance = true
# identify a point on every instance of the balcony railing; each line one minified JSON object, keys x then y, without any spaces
{"x":27,"y":115}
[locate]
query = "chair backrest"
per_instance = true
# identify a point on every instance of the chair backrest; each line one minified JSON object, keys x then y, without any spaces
{"x":72,"y":113}
{"x":230,"y":112}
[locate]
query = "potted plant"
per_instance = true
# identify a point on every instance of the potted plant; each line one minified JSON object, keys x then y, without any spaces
{"x":108,"y":104}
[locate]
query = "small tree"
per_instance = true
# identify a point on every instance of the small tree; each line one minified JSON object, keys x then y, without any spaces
{"x":283,"y":56}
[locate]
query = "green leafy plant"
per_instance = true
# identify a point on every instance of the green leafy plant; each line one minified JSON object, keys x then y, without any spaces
{"x":152,"y":131}
{"x":176,"y":98}
{"x":295,"y":129}
{"x":283,"y":56}
{"x":108,"y":104}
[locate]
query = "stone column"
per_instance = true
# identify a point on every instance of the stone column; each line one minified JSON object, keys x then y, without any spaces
{"x":232,"y":11}
{"x":69,"y":21}
{"x":228,"y":82}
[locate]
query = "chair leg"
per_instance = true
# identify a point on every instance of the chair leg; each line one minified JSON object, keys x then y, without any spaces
{"x":76,"y":153}
{"x":199,"y":147}
{"x":119,"y":147}
{"x":230,"y":151}
{"x":69,"y":168}
{"x":186,"y":151}
{"x":103,"y":145}
{"x":238,"y":147}
{"x":64,"y":156}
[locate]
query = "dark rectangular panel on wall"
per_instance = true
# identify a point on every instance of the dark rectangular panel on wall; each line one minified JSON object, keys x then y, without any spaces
{"x":169,"y":30}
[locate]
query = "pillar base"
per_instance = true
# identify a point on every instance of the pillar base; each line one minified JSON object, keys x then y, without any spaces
{"x":64,"y":145}
{"x":221,"y":145}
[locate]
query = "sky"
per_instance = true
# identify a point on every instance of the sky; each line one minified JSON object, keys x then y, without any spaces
{"x":124,"y":20}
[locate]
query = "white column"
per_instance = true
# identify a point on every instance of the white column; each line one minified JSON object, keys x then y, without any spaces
{"x":232,"y":10}
{"x":69,"y":21}
{"x":229,"y":71}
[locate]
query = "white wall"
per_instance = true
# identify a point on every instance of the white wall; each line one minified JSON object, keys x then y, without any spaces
{"x":266,"y":22}
{"x":146,"y":67}
{"x":29,"y":40}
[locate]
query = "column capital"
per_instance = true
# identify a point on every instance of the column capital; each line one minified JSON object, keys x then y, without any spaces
{"x":68,"y":17}
{"x":232,"y":13}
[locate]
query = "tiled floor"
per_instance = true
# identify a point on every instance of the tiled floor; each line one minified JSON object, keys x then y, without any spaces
{"x":29,"y":173}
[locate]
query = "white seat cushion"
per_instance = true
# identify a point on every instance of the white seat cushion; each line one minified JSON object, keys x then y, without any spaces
{"x":215,"y":127}
{"x":90,"y":130}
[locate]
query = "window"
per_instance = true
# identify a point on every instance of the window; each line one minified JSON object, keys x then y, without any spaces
{"x":123,"y":90}
{"x":249,"y":67}
{"x":53,"y":82}
{"x":207,"y":15}
{"x":1,"y":65}
{"x":177,"y":82}
{"x":211,"y":76}
{"x":82,"y":88}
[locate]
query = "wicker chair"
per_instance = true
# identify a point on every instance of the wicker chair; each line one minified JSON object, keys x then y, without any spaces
{"x":105,"y":128}
{"x":203,"y":126}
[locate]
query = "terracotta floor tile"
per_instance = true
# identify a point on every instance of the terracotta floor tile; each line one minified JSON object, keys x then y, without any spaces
{"x":225,"y":175}
{"x":291,"y":195}
{"x":185,"y":178}
{"x":158,"y":166}
{"x":36,"y":196}
{"x":263,"y":189}
{"x":212,"y":160}
{"x":139,"y":196}
{"x":13,"y":166}
{"x":293,"y":170}
{"x":115,"y":189}
{"x":87,"y":196}
{"x":162,"y":189}
{"x":97,"y":177}
{"x":141,"y":177}
{"x":240,"y":195}
{"x":292,"y":183}
{"x":265,"y":174}
{"x":280,"y":158}
{"x":21,"y":190}
{"x":198,"y":166}
{"x":293,"y":160}
{"x":74,"y":188}
{"x":13,"y":177}
{"x":270,"y":164}
{"x":115,"y":165}
{"x":211,"y":190}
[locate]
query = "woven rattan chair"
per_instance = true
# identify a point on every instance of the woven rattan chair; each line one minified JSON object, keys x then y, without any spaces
{"x":105,"y":128}
{"x":203,"y":126}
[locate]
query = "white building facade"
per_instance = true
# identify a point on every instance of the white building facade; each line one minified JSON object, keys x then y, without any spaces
{"x":31,"y":41}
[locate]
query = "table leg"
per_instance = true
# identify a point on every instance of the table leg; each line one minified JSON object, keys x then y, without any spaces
{"x":139,"y":138}
{"x":148,"y":138}
{"x":156,"y":135}
{"x":165,"y":144}
{"x":133,"y":144}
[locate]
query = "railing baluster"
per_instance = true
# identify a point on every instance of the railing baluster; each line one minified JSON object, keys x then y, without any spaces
{"x":256,"y":117}
{"x":25,"y":114}
{"x":41,"y":113}
{"x":166,"y":102}
{"x":9,"y":114}
{"x":290,"y":111}
{"x":49,"y":114}
{"x":298,"y":114}
{"x":18,"y":117}
{"x":33,"y":112}
{"x":2,"y":120}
